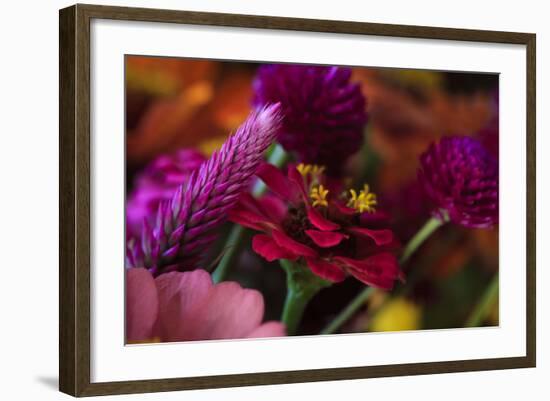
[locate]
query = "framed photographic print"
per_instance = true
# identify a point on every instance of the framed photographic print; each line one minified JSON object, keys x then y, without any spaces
{"x":251,"y":200}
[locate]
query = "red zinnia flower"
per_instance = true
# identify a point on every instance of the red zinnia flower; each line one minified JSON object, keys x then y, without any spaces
{"x":334,"y":236}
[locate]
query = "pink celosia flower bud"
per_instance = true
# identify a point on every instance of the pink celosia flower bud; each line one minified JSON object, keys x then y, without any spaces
{"x":186,"y":225}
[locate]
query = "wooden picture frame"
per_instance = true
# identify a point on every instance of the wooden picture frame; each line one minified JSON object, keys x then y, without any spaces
{"x":74,"y":205}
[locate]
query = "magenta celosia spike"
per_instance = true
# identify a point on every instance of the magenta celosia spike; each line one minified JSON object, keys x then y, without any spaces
{"x":156,"y":184}
{"x":185,"y":225}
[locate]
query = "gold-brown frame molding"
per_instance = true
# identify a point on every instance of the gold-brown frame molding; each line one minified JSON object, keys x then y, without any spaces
{"x":74,"y":199}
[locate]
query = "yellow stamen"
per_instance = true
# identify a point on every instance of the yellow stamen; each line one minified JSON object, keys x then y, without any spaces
{"x":310,"y":169}
{"x":319,"y":196}
{"x":304,"y":169}
{"x":364,"y":201}
{"x":317,"y":170}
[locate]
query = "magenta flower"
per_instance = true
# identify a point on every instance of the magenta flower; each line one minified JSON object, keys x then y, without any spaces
{"x":333,"y":236}
{"x":187,"y":306}
{"x":324,"y":114}
{"x":187,"y":224}
{"x":157,"y":183}
{"x":461,"y":177}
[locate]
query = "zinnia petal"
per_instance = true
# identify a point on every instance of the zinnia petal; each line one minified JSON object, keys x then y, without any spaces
{"x":278,"y":183}
{"x":345,"y":210}
{"x":380,"y":237}
{"x":326,"y":270}
{"x":266,"y":247}
{"x":247,"y":218}
{"x":319,"y":221}
{"x":296,"y":178}
{"x":273,"y":207}
{"x":141,"y":305}
{"x":380,"y":270}
{"x":291,"y":245}
{"x":325,"y":239}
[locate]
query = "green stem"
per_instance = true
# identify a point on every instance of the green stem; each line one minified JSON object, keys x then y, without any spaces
{"x":344,"y":316}
{"x":231,"y":247}
{"x":302,"y":285}
{"x":277,"y":157}
{"x":431,"y":225}
{"x":415,"y":275}
{"x":484,"y":305}
{"x":295,"y":305}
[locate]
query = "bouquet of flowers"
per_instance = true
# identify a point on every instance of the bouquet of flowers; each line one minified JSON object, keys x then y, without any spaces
{"x":315,"y":216}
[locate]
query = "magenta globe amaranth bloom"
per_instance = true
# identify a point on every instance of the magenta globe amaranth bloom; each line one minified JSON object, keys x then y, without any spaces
{"x":324,"y":114}
{"x":461,"y":177}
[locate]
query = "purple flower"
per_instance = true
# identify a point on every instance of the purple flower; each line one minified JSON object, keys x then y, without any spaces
{"x":324,"y":114}
{"x":157,"y":183}
{"x":461,"y":177}
{"x":186,"y":224}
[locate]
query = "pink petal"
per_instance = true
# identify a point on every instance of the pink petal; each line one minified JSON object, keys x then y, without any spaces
{"x":319,"y":221}
{"x":277,"y":182}
{"x":326,"y":270}
{"x":325,"y":239}
{"x":180,"y":296}
{"x":228,"y":312}
{"x":141,"y":305}
{"x":266,"y":247}
{"x":380,"y":237}
{"x":284,"y":241}
{"x":269,"y":329}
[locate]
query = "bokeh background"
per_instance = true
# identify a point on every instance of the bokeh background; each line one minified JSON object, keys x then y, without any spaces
{"x":174,"y":103}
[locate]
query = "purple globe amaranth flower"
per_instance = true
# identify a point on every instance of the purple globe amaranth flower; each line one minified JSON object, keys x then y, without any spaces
{"x":186,"y":224}
{"x":461,"y":177}
{"x":324,"y":114}
{"x":157,"y":183}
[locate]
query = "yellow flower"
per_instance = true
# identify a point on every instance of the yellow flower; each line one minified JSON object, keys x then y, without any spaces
{"x":364,"y":201}
{"x":398,"y":314}
{"x":319,"y":196}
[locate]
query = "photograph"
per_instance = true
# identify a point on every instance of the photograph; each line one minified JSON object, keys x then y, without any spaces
{"x":269,"y":199}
